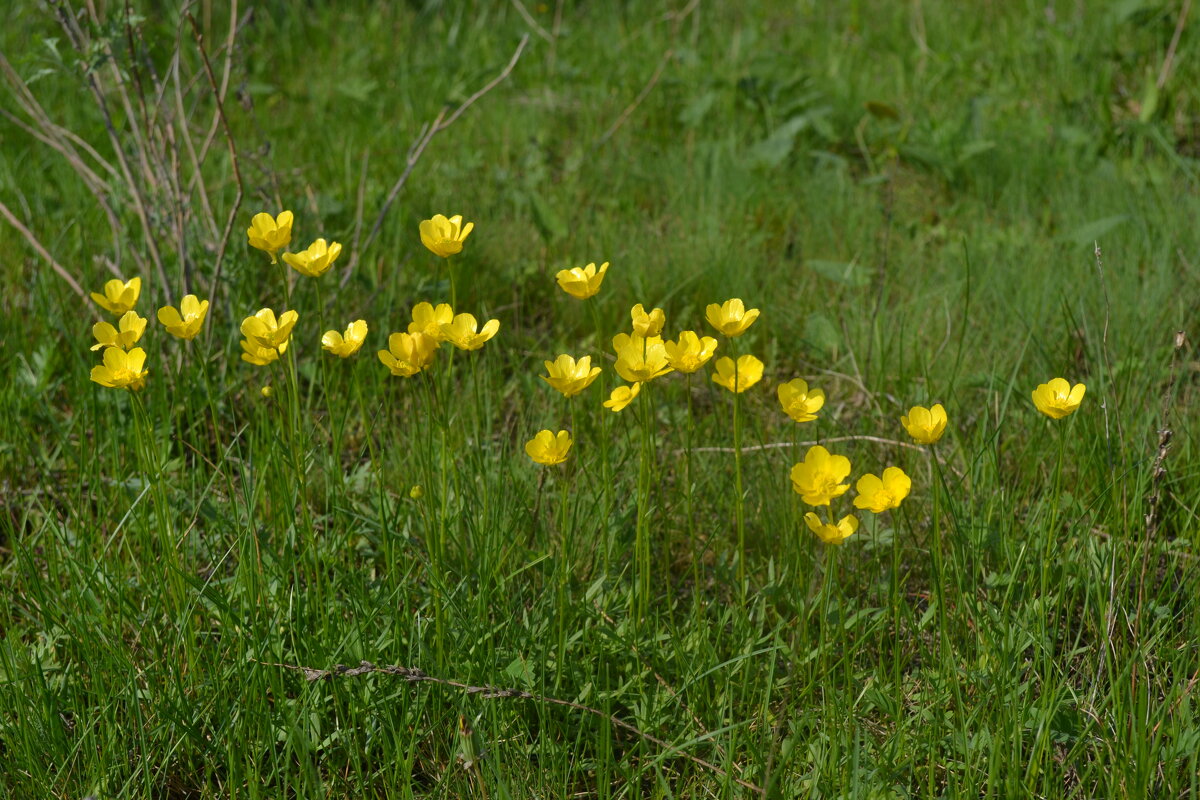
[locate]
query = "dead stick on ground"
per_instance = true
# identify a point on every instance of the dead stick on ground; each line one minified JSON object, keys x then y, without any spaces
{"x":36,"y":245}
{"x":637,"y":101}
{"x":413,"y":675}
{"x":439,"y":124}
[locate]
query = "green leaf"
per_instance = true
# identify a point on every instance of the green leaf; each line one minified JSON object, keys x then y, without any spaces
{"x":548,"y":222}
{"x":821,"y":333}
{"x":847,"y":274}
{"x":1092,"y":231}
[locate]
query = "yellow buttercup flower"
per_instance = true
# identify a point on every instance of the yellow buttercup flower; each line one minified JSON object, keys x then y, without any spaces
{"x":265,"y":331}
{"x":818,"y":478}
{"x":131,"y":328}
{"x":1058,"y":398}
{"x":266,"y":391}
{"x":408,"y":353}
{"x":270,"y":234}
{"x":748,"y":371}
{"x":314,"y":261}
{"x":798,"y":401}
{"x":925,"y":425}
{"x":690,"y":352}
{"x":252,"y":353}
{"x":877,"y":494}
{"x":121,"y":369}
{"x":647,"y":323}
{"x":445,"y":237}
{"x":346,"y":344}
{"x":429,"y":320}
{"x":831,"y":534}
{"x":464,"y":332}
{"x":731,"y":317}
{"x":549,"y":448}
{"x":119,"y":296}
{"x":582,"y":282}
{"x":640,"y":359}
{"x":622,"y":396}
{"x":187,"y":320}
{"x":570,"y":376}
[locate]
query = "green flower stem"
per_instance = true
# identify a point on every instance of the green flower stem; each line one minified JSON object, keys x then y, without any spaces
{"x":605,"y":469}
{"x":739,"y":506}
{"x":687,"y":491}
{"x":641,"y":540}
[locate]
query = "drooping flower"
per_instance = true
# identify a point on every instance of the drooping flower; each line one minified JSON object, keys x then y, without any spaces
{"x":119,"y":296}
{"x":570,"y":376}
{"x":877,"y":494}
{"x":647,"y":323}
{"x":131,"y":327}
{"x":429,"y":320}
{"x":832,"y":534}
{"x":314,"y":261}
{"x":270,"y":234}
{"x":622,"y":396}
{"x":690,"y":352}
{"x":925,"y":425}
{"x":122,"y":369}
{"x":445,"y":237}
{"x":738,"y":377}
{"x":265,"y":331}
{"x":731,"y":317}
{"x":187,"y":320}
{"x":818,"y":478}
{"x":582,"y":283}
{"x":640,"y":359}
{"x":798,"y":401}
{"x":1058,"y":398}
{"x":408,"y":353}
{"x":464,"y":332}
{"x":549,"y":448}
{"x":346,"y":344}
{"x":252,"y":353}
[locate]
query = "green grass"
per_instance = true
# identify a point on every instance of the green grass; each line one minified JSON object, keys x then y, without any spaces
{"x":911,"y":193}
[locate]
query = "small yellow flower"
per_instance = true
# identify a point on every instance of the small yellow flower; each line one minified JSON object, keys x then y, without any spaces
{"x":647,"y":324}
{"x":818,"y":478}
{"x":731,"y":317}
{"x":549,"y":448}
{"x":464,"y":332}
{"x":266,"y":391}
{"x":640,"y":359}
{"x":740,"y":377}
{"x":265,"y":331}
{"x":877,"y":494}
{"x":798,"y":401}
{"x":131,"y":328}
{"x":346,"y":344}
{"x":416,"y":492}
{"x":445,"y":237}
{"x":622,"y":396}
{"x":925,"y":425}
{"x":270,"y":234}
{"x":582,"y":282}
{"x":570,"y":376}
{"x":690,"y":352}
{"x":121,"y":369}
{"x":1058,"y":398}
{"x":408,"y":353}
{"x":429,"y":320}
{"x":119,"y":296}
{"x":314,"y":261}
{"x":261,"y":356}
{"x":187,"y":320}
{"x":831,"y":534}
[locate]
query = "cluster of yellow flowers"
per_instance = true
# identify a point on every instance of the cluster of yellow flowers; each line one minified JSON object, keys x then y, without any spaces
{"x":124,"y":366}
{"x":642,"y":355}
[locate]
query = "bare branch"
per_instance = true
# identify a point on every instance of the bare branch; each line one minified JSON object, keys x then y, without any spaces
{"x":36,"y":245}
{"x":440,"y":123}
{"x":650,"y":84}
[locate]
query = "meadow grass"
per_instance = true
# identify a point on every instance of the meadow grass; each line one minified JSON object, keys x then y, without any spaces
{"x":912,"y":194}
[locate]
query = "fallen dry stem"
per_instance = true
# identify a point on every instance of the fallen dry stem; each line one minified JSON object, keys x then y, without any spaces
{"x":414,"y":675}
